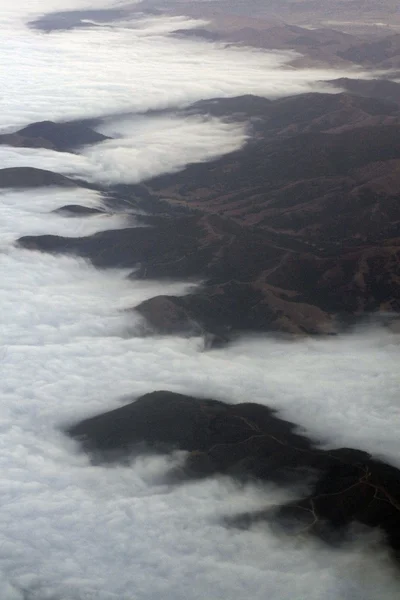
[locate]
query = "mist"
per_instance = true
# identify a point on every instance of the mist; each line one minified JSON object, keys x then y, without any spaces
{"x":144,"y":147}
{"x":111,"y":69}
{"x":70,"y":530}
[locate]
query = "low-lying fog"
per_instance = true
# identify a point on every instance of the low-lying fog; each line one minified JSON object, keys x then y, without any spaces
{"x":72,"y":531}
{"x":114,"y":68}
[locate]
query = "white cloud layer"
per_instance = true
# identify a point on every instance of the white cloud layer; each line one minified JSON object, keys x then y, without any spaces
{"x":71,"y":531}
{"x":39,"y":203}
{"x":87,"y":72}
{"x":149,"y":146}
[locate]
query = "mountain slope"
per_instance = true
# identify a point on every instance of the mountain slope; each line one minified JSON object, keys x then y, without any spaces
{"x":295,"y":232}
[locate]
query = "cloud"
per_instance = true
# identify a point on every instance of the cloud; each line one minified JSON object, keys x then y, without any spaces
{"x":96,"y":71}
{"x":149,"y":146}
{"x":72,"y":531}
{"x":39,"y":203}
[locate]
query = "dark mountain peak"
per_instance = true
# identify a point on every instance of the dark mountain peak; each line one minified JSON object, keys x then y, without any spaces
{"x":26,"y":177}
{"x":62,"y":136}
{"x":249,"y":441}
{"x":55,"y":136}
{"x":309,"y":111}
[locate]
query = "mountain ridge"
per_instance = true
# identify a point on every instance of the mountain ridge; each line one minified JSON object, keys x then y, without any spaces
{"x":295,"y":232}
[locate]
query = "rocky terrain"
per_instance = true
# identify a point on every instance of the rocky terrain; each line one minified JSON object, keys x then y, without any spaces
{"x":250,"y":442}
{"x":323,"y":46}
{"x":357,"y":16}
{"x":316,"y":46}
{"x":297,"y":232}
